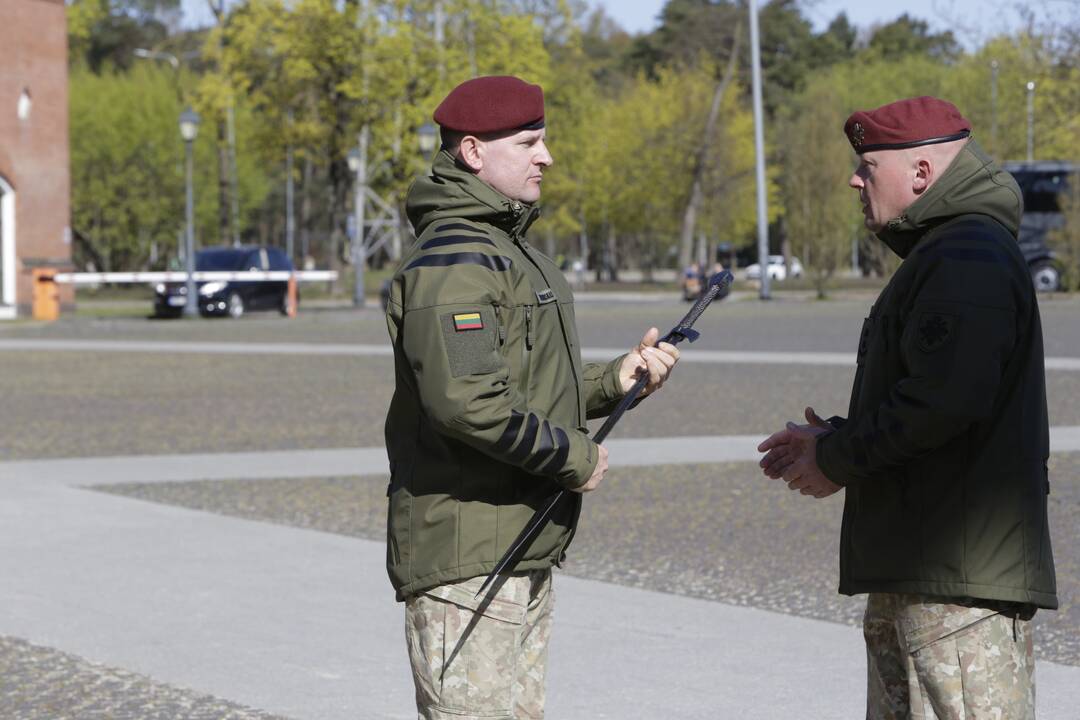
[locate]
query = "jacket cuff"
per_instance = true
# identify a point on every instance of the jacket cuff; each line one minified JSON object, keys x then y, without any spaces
{"x":609,"y":381}
{"x":584,"y":455}
{"x":825,"y":453}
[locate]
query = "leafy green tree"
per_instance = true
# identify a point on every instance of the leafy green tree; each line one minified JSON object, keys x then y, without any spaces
{"x":909,"y":36}
{"x":127,"y":173}
{"x":1066,"y":240}
{"x":820,"y":209}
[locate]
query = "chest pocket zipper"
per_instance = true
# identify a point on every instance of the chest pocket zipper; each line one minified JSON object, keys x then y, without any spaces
{"x":500,"y":328}
{"x":526,"y":349}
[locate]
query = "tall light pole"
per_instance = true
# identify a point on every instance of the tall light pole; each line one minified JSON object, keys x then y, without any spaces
{"x":358,"y":164}
{"x":426,"y":136}
{"x":1030,"y":121}
{"x":759,"y":148}
{"x":189,"y":128}
{"x":290,"y":221}
{"x":994,"y":65}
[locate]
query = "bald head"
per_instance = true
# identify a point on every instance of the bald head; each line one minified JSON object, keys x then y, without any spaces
{"x":889,"y":181}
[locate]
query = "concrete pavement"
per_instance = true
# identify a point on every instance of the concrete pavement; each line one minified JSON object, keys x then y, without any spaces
{"x":303,"y":623}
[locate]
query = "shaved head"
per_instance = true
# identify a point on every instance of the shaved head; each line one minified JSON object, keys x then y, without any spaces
{"x":889,"y":181}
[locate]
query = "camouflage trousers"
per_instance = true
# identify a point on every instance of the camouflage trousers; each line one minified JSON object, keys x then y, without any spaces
{"x":930,"y":660}
{"x":481,"y":658}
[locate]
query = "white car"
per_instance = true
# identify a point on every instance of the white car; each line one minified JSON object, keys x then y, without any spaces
{"x":777,"y":271}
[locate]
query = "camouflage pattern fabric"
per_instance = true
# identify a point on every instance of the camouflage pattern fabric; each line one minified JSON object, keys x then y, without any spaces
{"x":481,"y":658}
{"x":931,"y":660}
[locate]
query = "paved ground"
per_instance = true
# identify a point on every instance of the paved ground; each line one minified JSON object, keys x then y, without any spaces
{"x":118,"y":605}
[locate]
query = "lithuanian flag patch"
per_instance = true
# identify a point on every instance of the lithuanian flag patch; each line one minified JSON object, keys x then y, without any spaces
{"x":468,"y":321}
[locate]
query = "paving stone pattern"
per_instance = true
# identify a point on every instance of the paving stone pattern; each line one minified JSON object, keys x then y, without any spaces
{"x":38,"y":683}
{"x":721,"y":532}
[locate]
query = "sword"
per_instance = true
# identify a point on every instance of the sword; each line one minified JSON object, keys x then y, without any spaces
{"x":718,"y":283}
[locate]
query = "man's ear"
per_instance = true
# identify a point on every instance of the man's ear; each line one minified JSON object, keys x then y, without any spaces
{"x":924,"y":175}
{"x":469,"y":152}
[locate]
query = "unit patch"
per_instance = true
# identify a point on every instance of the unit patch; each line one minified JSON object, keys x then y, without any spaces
{"x":935,"y":329}
{"x":468,"y":321}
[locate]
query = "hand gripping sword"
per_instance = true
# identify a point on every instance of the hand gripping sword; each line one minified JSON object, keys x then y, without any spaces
{"x":718,"y":283}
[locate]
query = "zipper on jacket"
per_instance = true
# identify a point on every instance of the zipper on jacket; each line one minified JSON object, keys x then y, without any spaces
{"x":500,"y":328}
{"x":529,"y":338}
{"x":526,"y":351}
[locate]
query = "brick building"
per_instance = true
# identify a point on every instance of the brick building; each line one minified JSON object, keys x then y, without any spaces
{"x":35,"y":207}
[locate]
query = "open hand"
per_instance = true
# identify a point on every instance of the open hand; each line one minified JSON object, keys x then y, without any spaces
{"x":791,"y":454}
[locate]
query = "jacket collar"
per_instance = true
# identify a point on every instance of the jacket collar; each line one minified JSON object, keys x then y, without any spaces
{"x":972,"y":183}
{"x":452,"y":190}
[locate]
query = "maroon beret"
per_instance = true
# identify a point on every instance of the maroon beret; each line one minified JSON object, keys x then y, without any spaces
{"x":906,"y":124}
{"x":492,"y":104}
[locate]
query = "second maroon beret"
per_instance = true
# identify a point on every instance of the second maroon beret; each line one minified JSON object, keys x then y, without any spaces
{"x":906,"y":123}
{"x":493,"y":103}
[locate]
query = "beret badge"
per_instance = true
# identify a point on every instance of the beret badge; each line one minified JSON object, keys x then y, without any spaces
{"x":857,"y":134}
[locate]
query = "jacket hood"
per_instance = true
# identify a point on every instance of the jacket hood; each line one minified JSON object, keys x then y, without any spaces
{"x":452,"y":191}
{"x":972,"y":183}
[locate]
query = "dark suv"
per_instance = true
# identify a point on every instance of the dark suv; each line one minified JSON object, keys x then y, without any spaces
{"x":1042,"y":184}
{"x":232,"y":297}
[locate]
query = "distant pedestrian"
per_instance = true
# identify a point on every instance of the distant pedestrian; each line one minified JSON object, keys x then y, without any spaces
{"x":489,"y":412}
{"x":943,"y":454}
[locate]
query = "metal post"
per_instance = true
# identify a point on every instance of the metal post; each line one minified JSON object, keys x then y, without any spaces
{"x":1030,"y":121}
{"x":994,"y":65}
{"x":234,"y":186}
{"x":290,"y":220}
{"x":359,"y":249}
{"x":759,"y":149}
{"x":190,"y":306}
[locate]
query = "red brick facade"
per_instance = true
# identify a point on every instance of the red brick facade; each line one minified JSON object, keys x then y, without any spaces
{"x":35,"y":206}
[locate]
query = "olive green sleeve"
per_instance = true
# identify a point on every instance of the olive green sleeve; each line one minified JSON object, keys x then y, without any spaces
{"x":958,"y":335}
{"x":464,"y":383}
{"x":603,"y":391}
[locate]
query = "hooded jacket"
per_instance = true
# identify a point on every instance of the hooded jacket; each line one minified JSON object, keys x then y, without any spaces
{"x":943,"y":453}
{"x":488,"y":417}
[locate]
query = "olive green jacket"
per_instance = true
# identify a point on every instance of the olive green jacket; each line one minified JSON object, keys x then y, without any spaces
{"x":944,"y":450}
{"x":489,"y":411}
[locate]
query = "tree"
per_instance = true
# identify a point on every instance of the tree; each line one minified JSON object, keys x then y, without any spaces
{"x":909,"y":36}
{"x":1066,"y":239}
{"x":819,"y":207}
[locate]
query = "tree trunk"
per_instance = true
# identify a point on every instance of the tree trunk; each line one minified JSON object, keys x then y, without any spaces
{"x":686,"y":243}
{"x":223,"y":181}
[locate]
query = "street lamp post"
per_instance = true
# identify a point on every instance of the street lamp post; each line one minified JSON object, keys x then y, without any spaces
{"x":189,"y":128}
{"x":358,"y":164}
{"x":994,"y":66}
{"x":426,"y":136}
{"x":1030,"y":121}
{"x":759,"y":147}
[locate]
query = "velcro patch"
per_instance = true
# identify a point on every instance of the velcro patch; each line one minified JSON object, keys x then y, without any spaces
{"x":935,"y":330}
{"x":471,"y":342}
{"x":545,"y":296}
{"x":468,"y":321}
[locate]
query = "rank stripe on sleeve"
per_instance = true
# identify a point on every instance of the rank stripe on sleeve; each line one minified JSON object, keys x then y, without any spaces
{"x":498,"y":263}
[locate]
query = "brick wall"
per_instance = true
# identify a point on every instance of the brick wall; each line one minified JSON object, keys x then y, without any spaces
{"x":34,"y":149}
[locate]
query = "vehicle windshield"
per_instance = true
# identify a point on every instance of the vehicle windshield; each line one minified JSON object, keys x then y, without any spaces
{"x":219,"y":260}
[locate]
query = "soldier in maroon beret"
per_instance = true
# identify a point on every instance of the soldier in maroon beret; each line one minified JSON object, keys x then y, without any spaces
{"x":489,"y":413}
{"x":943,"y":455}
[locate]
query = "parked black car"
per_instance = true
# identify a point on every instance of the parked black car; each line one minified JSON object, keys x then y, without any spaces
{"x":1042,"y":184}
{"x":233,"y":297}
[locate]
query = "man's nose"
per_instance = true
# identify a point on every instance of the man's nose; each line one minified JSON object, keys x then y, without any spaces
{"x":855,"y":181}
{"x":544,"y":157}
